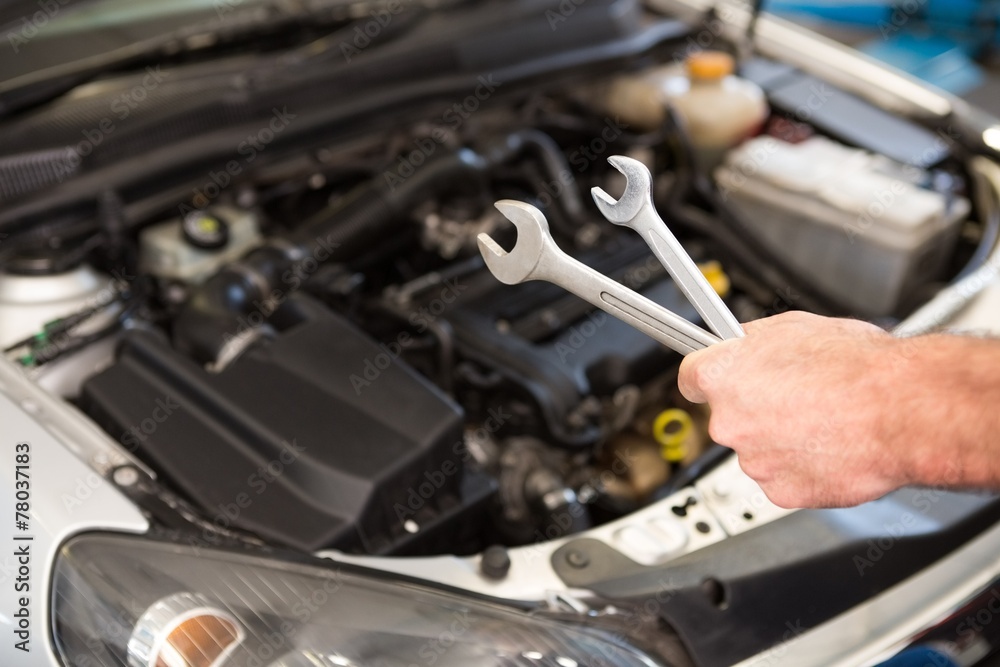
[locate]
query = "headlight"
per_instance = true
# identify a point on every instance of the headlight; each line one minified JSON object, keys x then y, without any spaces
{"x":121,"y":600}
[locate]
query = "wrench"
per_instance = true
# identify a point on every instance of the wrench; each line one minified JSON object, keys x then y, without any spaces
{"x":536,"y":256}
{"x":635,"y":209}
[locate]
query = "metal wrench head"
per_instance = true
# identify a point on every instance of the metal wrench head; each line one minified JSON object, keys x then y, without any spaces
{"x":637,"y":191}
{"x":533,"y":240}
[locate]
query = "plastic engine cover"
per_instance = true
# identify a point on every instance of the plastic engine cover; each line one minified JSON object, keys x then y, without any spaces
{"x":281,"y":443}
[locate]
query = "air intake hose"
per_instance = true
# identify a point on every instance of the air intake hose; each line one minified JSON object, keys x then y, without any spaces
{"x":241,"y":293}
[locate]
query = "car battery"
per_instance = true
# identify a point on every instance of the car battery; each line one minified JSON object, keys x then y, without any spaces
{"x":861,"y":225}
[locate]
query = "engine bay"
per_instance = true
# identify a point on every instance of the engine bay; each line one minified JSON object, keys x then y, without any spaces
{"x":307,"y":350}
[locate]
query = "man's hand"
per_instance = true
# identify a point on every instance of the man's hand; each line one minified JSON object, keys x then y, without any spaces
{"x":806,"y":402}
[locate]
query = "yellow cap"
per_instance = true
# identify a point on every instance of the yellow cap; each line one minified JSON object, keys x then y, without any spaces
{"x":710,"y":65}
{"x":671,"y":429}
{"x":716,"y":277}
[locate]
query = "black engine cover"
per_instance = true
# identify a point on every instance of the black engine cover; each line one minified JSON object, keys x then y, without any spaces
{"x":282,"y":443}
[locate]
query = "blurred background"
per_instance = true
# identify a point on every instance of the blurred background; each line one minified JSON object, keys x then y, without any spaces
{"x":949,"y":43}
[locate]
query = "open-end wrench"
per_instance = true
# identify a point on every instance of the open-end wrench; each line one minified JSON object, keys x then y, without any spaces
{"x":536,"y":256}
{"x":635,"y":209}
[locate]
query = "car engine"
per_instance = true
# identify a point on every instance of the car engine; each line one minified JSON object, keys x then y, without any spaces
{"x":303,"y":347}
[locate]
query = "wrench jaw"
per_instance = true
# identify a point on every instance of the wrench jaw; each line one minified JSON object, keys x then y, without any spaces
{"x":533,"y":238}
{"x":637,"y":191}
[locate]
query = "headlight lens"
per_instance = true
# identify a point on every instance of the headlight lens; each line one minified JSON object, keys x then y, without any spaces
{"x":121,"y":600}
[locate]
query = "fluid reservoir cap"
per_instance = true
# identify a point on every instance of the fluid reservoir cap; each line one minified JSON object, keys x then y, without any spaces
{"x":205,"y":230}
{"x":710,"y":65}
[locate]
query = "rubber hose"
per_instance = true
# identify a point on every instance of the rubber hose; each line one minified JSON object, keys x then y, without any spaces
{"x":221,"y":307}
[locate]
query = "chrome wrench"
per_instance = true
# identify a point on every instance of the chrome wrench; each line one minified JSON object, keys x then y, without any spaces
{"x":536,"y":256}
{"x":635,"y":209}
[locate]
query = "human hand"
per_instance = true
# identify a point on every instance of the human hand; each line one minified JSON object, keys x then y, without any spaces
{"x":805,"y":402}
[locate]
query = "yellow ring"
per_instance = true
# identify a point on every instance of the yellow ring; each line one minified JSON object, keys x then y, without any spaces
{"x":673,"y":441}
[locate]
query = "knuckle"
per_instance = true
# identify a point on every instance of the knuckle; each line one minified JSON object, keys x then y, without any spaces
{"x":760,"y":470}
{"x":749,"y":466}
{"x":785,"y":494}
{"x":718,"y":430}
{"x":781,"y":496}
{"x":706,"y":373}
{"x":687,"y":378}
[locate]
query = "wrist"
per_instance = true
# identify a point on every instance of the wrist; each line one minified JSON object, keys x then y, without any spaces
{"x":899,"y":371}
{"x":937,"y":424}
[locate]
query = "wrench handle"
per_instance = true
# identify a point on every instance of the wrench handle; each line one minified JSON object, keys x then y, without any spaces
{"x":689,"y":277}
{"x":630,"y":307}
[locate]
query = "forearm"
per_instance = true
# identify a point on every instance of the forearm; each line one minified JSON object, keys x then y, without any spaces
{"x":827,"y":412}
{"x":943,"y":409}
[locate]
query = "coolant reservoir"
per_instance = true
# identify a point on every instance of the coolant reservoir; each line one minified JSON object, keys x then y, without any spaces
{"x":718,"y":108}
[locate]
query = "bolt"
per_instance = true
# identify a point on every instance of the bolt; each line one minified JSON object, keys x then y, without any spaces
{"x":125,"y":476}
{"x":495,"y":562}
{"x":577,"y":559}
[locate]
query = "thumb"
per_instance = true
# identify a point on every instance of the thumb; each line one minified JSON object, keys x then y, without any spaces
{"x":687,"y":376}
{"x":706,"y":367}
